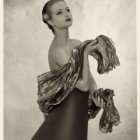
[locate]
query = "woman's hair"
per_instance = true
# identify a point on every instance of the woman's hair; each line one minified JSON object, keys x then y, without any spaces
{"x":46,"y":13}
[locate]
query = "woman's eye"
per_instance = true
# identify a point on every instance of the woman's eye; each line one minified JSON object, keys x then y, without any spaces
{"x":68,"y":10}
{"x":58,"y":13}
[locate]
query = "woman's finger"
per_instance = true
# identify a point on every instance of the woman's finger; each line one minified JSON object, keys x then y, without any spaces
{"x":102,"y":103}
{"x":98,"y":99}
{"x":92,"y":43}
{"x":96,"y":94}
{"x":95,"y":41}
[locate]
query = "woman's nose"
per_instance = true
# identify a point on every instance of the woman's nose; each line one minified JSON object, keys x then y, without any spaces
{"x":66,"y":14}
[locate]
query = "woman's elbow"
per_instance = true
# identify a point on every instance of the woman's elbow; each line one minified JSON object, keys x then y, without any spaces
{"x":86,"y":88}
{"x":83,"y":86}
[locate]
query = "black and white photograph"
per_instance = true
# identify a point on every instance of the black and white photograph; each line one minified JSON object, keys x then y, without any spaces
{"x":70,"y":70}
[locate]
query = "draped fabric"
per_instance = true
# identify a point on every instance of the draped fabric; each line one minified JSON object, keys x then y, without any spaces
{"x":66,"y":77}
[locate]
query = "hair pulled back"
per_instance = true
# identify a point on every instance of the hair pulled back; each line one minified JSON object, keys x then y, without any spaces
{"x":46,"y":13}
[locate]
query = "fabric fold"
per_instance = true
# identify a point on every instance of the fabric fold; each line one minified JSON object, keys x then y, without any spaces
{"x":54,"y":86}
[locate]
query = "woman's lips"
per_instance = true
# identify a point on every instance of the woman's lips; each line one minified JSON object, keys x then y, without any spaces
{"x":68,"y":19}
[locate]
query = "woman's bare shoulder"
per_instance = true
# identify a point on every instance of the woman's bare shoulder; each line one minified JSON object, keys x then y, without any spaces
{"x":53,"y":50}
{"x":57,"y":56}
{"x":76,"y":42}
{"x":52,"y":54}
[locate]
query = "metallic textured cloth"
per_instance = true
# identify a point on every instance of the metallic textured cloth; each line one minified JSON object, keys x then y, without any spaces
{"x":66,"y":77}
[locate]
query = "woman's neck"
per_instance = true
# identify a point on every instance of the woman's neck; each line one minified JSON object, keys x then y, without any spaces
{"x":61,"y":37}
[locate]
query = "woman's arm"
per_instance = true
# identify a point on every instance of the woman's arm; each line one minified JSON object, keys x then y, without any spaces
{"x":92,"y":87}
{"x":92,"y":84}
{"x":84,"y":83}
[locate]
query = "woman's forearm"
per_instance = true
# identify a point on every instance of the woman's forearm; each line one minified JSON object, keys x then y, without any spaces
{"x":92,"y":84}
{"x":83,"y":84}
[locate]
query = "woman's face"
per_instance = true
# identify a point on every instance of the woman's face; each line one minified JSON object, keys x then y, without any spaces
{"x":61,"y":15}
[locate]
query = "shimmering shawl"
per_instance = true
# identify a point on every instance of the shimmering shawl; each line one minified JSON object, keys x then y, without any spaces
{"x":66,"y":77}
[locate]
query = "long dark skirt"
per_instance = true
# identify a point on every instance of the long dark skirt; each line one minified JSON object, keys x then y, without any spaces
{"x":68,"y":121}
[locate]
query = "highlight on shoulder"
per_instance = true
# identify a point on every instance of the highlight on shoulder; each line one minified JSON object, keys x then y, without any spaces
{"x":76,"y":42}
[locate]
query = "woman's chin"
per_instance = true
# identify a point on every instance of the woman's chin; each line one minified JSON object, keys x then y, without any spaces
{"x":66,"y":26}
{"x":69,"y":25}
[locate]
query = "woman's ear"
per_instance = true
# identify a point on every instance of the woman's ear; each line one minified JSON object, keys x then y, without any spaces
{"x":46,"y":19}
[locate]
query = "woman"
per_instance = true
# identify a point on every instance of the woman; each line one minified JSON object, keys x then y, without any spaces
{"x":69,"y":120}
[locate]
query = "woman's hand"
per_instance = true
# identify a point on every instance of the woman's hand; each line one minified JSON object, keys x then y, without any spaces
{"x":91,"y":45}
{"x":98,"y":100}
